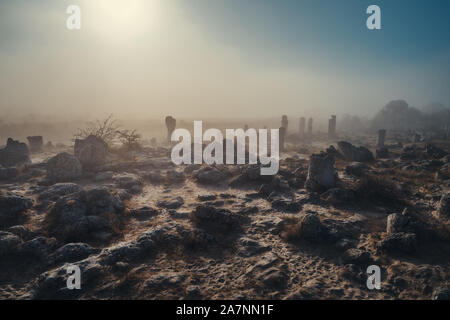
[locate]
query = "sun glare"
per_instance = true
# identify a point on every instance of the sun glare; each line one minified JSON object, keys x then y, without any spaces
{"x":122,"y":19}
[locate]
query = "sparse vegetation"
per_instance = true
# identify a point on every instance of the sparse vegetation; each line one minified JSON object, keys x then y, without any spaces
{"x":130,"y":139}
{"x":106,"y":129}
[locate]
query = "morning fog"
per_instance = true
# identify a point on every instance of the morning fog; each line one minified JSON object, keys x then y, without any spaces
{"x":235,"y":147}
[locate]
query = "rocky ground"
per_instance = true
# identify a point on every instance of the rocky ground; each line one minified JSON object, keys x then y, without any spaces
{"x":143,"y":228}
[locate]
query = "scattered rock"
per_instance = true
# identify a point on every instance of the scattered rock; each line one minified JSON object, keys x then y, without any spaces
{"x":356,"y":256}
{"x":39,"y":248}
{"x":8,"y":243}
{"x":144,"y":213}
{"x":129,"y":182}
{"x":308,"y":228}
{"x":12,"y":205}
{"x":207,"y":197}
{"x":174,"y":203}
{"x":58,"y":190}
{"x":63,"y":167}
{"x":222,"y":219}
{"x":400,"y":223}
{"x":91,"y":152}
{"x":398,"y":242}
{"x":36,"y":143}
{"x":72,"y":252}
{"x":321,"y":173}
{"x":210,"y":175}
{"x":274,"y":279}
{"x":356,"y":168}
{"x":352,"y":153}
{"x":14,"y":153}
{"x":77,"y":216}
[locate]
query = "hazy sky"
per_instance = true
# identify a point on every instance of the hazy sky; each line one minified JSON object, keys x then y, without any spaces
{"x":221,"y":58}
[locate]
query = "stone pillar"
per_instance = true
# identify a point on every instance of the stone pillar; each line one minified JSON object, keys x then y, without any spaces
{"x":332,"y":127}
{"x":301,"y":127}
{"x":36,"y":143}
{"x":381,"y":138}
{"x":284,"y":122}
{"x":310,"y":124}
{"x":171,"y":123}
{"x":282,"y":137}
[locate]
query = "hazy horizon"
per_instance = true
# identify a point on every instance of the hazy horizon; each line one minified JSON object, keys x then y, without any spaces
{"x":220,"y":59}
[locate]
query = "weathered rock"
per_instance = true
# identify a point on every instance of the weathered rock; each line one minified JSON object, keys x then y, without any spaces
{"x":210,"y":175}
{"x":310,"y":227}
{"x":174,"y":203}
{"x":8,"y":243}
{"x":398,"y":242}
{"x":274,"y":279}
{"x":400,"y":223}
{"x":171,"y":123}
{"x":219,"y":218}
{"x":12,"y":205}
{"x":72,"y":252}
{"x":251,"y":247}
{"x":22,"y":232}
{"x":14,"y":153}
{"x":352,"y":153}
{"x":54,"y":192}
{"x":129,"y":182}
{"x":36,"y":143}
{"x":38,"y":248}
{"x":207,"y":197}
{"x":321,"y":173}
{"x":356,"y":256}
{"x":63,"y":167}
{"x":91,"y":151}
{"x":144,"y":213}
{"x":124,"y":251}
{"x":79,"y":215}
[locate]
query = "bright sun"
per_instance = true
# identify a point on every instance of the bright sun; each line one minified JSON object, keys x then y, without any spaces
{"x":117,"y":19}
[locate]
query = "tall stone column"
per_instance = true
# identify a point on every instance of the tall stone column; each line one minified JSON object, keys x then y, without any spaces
{"x":301,"y":127}
{"x":284,"y":122}
{"x":171,"y":123}
{"x":381,"y":138}
{"x":332,"y":127}
{"x":310,"y":124}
